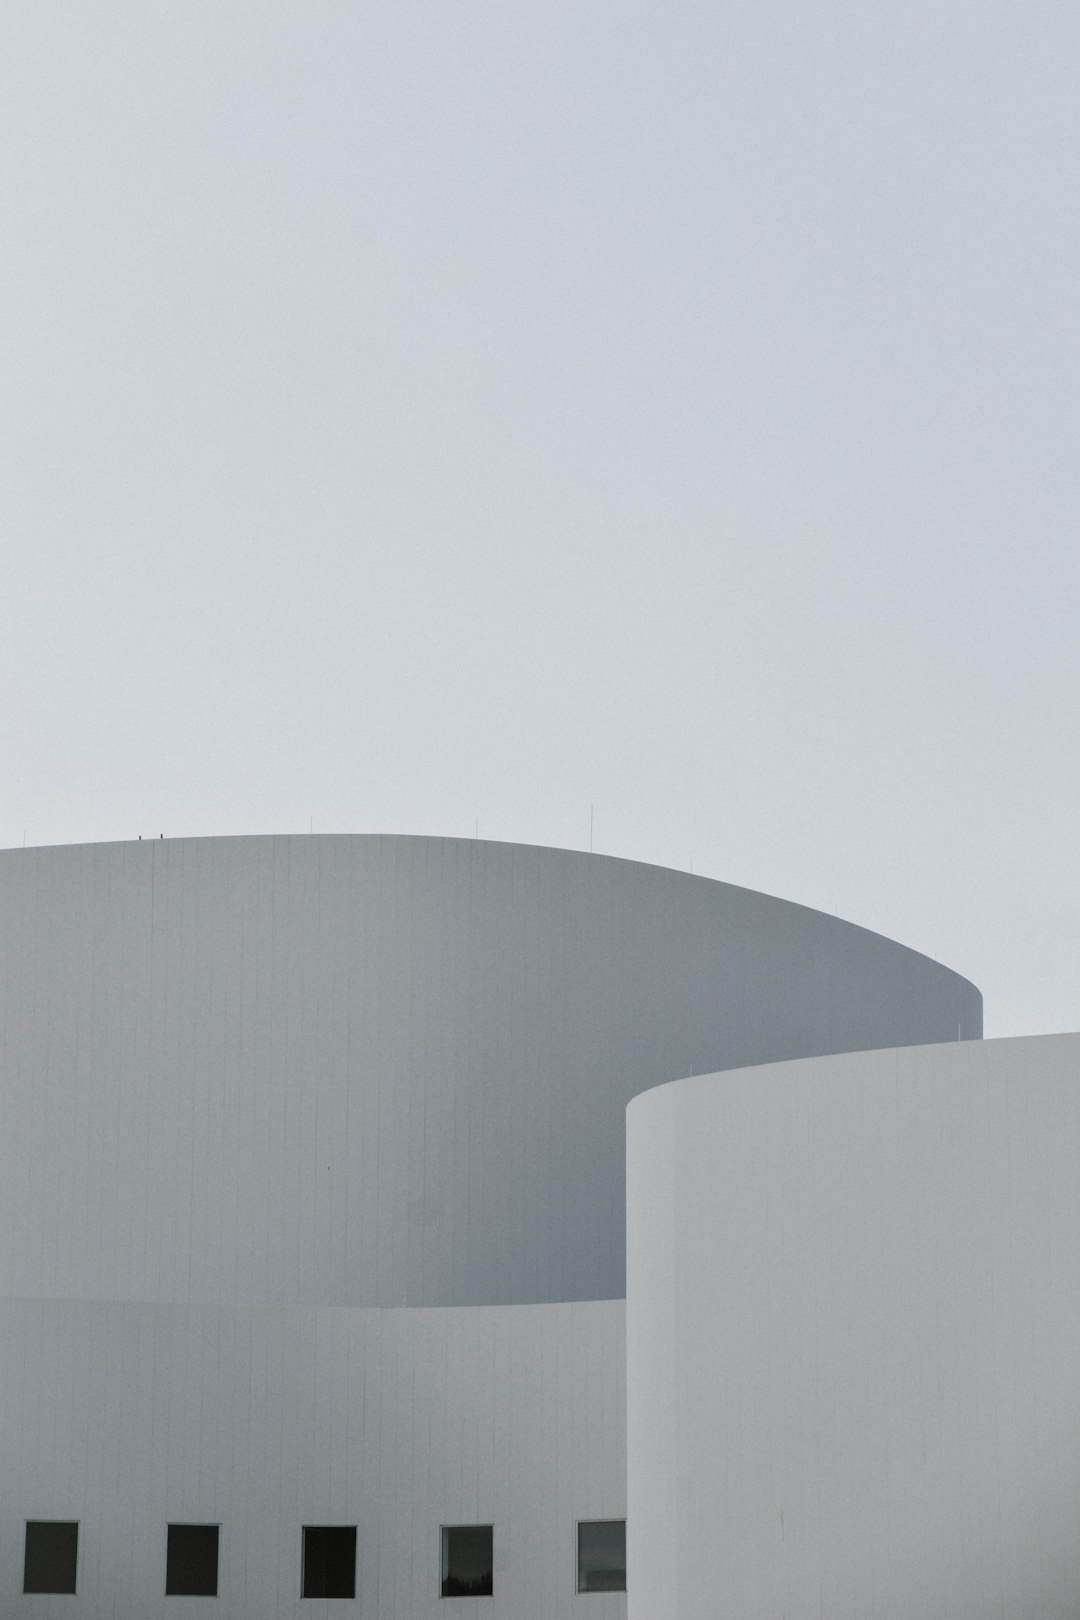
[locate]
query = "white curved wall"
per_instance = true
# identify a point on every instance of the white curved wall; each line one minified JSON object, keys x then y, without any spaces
{"x":128,"y":1417}
{"x":387,"y":1071}
{"x":853,"y":1327}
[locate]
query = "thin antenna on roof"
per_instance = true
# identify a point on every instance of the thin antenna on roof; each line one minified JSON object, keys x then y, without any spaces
{"x":476,"y":828}
{"x":590,"y":828}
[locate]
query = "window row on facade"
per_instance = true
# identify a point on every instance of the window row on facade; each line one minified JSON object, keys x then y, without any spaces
{"x":328,"y":1561}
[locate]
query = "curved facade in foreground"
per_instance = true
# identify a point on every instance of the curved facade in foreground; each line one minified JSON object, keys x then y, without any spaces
{"x":312,"y":1206}
{"x":854,"y":1338}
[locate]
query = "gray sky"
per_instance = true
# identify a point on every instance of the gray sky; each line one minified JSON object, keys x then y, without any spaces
{"x":425,"y":411}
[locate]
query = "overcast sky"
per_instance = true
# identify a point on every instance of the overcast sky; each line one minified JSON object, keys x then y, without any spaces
{"x":419,"y":413}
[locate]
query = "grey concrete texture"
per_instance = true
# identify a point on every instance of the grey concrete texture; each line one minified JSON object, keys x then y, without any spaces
{"x":853,"y":1338}
{"x":128,"y":1417}
{"x":368,"y":1070}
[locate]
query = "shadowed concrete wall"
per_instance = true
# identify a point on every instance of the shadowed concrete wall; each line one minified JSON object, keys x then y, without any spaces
{"x":853,"y":1338}
{"x":381,"y":1070}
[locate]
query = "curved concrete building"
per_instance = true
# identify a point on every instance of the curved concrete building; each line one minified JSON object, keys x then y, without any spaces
{"x":382,"y":1071}
{"x":312,"y":1205}
{"x":853,"y":1337}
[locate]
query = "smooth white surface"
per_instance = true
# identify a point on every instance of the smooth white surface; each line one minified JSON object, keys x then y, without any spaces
{"x":256,"y":1094}
{"x":127,"y":1417}
{"x":854,"y":1338}
{"x":381,"y":1071}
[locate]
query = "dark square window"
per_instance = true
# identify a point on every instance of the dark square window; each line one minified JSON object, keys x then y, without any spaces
{"x":601,"y":1555}
{"x":191,"y":1561}
{"x":467,"y":1560}
{"x":52,"y":1548}
{"x":329,"y":1561}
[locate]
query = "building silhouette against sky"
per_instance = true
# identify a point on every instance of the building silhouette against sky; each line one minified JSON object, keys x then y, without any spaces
{"x":313,"y":1243}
